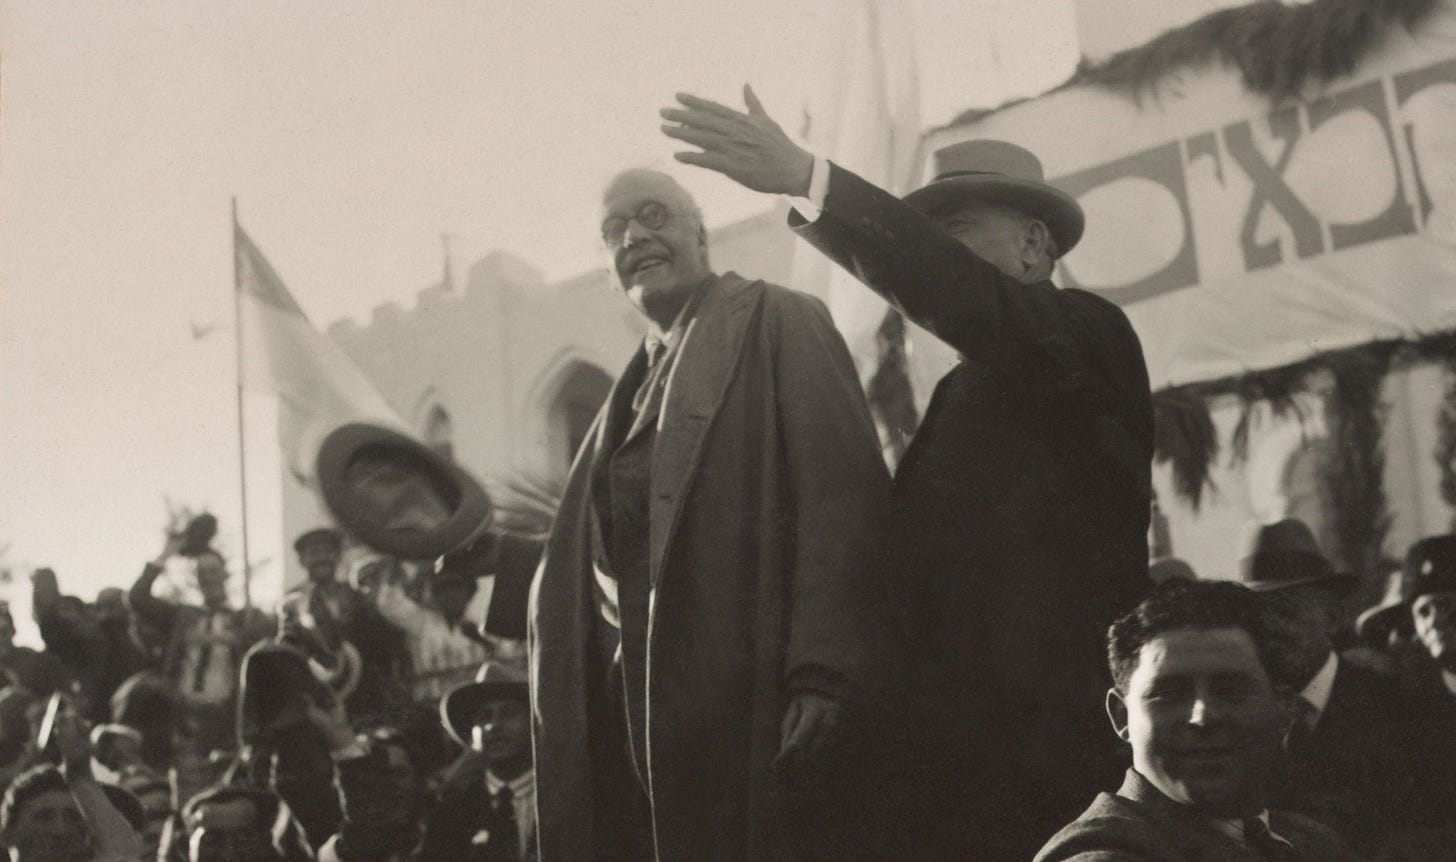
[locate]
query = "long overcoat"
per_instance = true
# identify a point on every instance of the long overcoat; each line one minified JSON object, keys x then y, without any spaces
{"x":767,"y":489}
{"x":1017,"y":526}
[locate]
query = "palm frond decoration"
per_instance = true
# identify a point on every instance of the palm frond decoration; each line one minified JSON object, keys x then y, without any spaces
{"x":1277,"y":48}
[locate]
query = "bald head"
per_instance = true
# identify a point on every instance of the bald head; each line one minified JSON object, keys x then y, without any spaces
{"x":668,"y":190}
{"x":654,"y":232}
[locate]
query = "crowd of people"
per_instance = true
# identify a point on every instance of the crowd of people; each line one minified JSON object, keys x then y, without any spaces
{"x":316,"y":731}
{"x":742,"y":639}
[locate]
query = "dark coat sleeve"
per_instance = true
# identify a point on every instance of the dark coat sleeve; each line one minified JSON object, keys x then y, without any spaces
{"x":1069,"y":347}
{"x":515,"y":567}
{"x":378,"y":821}
{"x":152,"y":610}
{"x":839,"y":484}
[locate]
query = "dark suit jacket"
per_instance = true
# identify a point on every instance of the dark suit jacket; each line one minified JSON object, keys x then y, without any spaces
{"x":1140,"y":824}
{"x":1019,"y":514}
{"x":1359,"y":771}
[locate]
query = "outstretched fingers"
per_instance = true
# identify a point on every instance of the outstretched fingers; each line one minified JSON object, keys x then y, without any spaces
{"x":711,"y":161}
{"x":701,"y":120}
{"x":708,"y":106}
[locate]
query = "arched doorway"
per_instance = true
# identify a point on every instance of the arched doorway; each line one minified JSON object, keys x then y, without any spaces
{"x":570,"y":410}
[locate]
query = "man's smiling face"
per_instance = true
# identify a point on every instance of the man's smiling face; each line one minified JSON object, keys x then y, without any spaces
{"x":656,"y":239}
{"x":1203,"y":719}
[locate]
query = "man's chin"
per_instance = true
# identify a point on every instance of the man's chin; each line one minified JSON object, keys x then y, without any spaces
{"x":1219,"y":795}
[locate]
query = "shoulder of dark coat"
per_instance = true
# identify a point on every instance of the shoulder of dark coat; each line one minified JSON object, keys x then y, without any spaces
{"x":1092,"y":303}
{"x":781,"y":300}
{"x":1111,"y":828}
{"x":1310,"y":836}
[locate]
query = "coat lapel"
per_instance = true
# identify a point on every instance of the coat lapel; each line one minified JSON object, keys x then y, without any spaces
{"x":693,"y":395}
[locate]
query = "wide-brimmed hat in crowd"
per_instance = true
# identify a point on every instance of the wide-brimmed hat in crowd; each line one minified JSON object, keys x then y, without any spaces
{"x":504,"y":675}
{"x":1430,"y":567}
{"x":319,"y":535}
{"x":397,"y":495}
{"x":1285,"y":554}
{"x":999,"y":172}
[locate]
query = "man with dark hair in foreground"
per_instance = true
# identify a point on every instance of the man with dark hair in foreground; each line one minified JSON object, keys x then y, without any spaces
{"x":1193,"y":696}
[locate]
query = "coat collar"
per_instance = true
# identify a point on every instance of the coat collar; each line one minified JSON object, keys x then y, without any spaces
{"x":1194,"y":833}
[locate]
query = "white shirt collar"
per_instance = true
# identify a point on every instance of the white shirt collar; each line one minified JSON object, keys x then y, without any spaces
{"x":521,"y":785}
{"x":671,"y":337}
{"x":1317,"y":693}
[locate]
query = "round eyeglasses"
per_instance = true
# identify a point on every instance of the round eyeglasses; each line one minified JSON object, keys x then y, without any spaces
{"x":651,"y":215}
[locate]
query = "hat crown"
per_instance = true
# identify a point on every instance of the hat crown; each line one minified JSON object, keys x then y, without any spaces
{"x":988,"y":157}
{"x":1290,"y":534}
{"x":1283,"y":551}
{"x":1430,"y":565}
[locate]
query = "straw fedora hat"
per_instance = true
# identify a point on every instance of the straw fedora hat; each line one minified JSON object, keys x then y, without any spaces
{"x":503,"y":676}
{"x":397,"y":495}
{"x":1000,"y":172}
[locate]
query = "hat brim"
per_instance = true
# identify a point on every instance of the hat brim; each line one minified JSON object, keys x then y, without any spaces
{"x":1060,"y":211}
{"x":1341,"y":583}
{"x":462,"y":700}
{"x":370,"y":477}
{"x":1374,"y":625}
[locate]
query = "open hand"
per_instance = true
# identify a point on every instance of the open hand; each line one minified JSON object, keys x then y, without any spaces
{"x":750,"y":149}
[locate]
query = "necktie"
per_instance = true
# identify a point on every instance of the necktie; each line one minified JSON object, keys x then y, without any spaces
{"x":505,"y":841}
{"x":644,"y":392}
{"x":1269,"y":845}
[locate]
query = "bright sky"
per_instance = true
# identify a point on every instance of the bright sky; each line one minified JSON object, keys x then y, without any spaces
{"x":352,"y":134}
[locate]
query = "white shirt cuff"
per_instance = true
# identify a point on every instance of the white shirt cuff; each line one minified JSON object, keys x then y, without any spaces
{"x":812,"y":204}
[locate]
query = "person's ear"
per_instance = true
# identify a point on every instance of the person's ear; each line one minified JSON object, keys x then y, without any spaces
{"x":1117,"y":713}
{"x":1034,"y":241}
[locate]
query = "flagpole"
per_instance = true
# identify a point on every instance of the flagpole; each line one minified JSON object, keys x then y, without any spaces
{"x":242,"y":450}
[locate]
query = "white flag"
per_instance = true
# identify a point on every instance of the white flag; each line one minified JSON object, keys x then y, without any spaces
{"x":318,"y":387}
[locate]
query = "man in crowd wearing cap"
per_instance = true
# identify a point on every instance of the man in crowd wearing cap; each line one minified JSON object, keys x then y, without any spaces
{"x":1020,"y":511}
{"x":1195,"y":695}
{"x":491,"y":816}
{"x":94,"y":642}
{"x":204,"y":645}
{"x":39,"y":673}
{"x":1428,"y":585}
{"x":1349,"y":759}
{"x":702,"y":620}
{"x":364,"y":653}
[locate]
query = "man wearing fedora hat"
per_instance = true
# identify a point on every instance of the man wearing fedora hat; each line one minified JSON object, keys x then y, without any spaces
{"x":492,"y":816}
{"x":1020,"y":511}
{"x":1428,"y":587}
{"x":1348,"y":759}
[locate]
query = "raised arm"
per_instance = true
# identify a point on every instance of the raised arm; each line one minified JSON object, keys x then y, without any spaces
{"x":112,"y":837}
{"x":1034,"y":332}
{"x":145,"y":605}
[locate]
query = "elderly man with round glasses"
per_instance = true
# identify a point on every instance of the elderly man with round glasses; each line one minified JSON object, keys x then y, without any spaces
{"x":702,"y":612}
